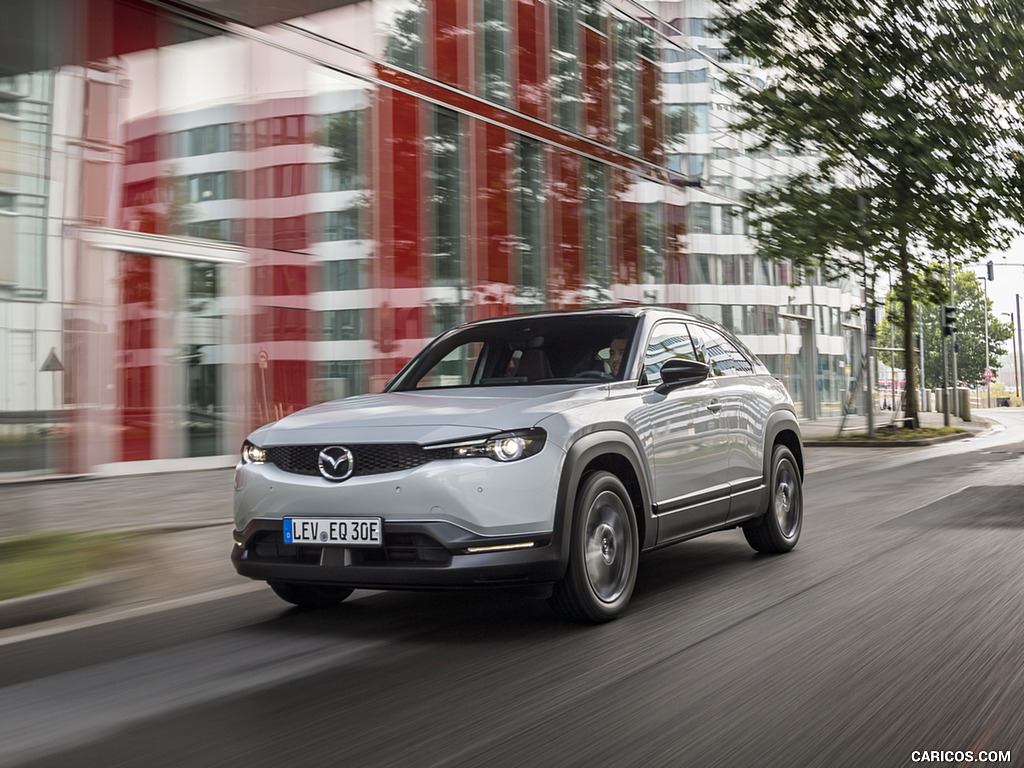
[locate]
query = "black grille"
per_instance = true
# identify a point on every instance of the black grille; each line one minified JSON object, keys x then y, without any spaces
{"x":399,"y":549}
{"x":369,"y":458}
{"x":269,"y":546}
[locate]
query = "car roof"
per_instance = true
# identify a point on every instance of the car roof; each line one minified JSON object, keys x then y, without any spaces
{"x":634,"y":310}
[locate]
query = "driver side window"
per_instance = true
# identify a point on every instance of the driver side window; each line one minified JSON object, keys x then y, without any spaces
{"x":668,"y":341}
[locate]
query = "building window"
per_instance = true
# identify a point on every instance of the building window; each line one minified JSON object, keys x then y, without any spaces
{"x":354,"y":372}
{"x":697,"y":27}
{"x":653,"y":235}
{"x":494,"y":36}
{"x":205,"y":140}
{"x":592,"y":14}
{"x":217,"y":229}
{"x":530,"y":240}
{"x":345,"y":137}
{"x":341,"y":225}
{"x":347,"y":275}
{"x":699,"y":121}
{"x":445,"y":196}
{"x":595,"y":211}
{"x":444,"y":316}
{"x":677,"y":124}
{"x":404,"y":47}
{"x":701,"y":268}
{"x":565,"y":75}
{"x":209,"y":186}
{"x":625,"y":70}
{"x":345,"y":324}
{"x":648,"y":43}
{"x":700,"y":218}
{"x":673,"y":55}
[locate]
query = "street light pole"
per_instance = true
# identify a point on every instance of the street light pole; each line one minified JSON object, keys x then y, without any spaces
{"x":1020,"y":347}
{"x":988,"y":379}
{"x":1013,"y":334}
{"x":920,"y":344}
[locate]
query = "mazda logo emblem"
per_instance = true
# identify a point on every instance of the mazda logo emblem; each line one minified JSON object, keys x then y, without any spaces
{"x":336,"y":463}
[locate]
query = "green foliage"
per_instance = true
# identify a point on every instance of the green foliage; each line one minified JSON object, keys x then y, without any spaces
{"x":913,"y":111}
{"x":969,"y":298}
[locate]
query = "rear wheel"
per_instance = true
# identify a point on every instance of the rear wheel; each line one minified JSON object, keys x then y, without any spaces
{"x":779,"y":527}
{"x":309,"y":595}
{"x":603,"y":553}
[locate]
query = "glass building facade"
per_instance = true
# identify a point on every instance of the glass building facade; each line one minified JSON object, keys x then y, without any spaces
{"x":212,"y":215}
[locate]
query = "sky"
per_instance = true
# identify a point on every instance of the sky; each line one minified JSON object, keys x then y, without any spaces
{"x":1009,"y":278}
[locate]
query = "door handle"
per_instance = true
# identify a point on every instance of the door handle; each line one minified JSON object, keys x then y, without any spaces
{"x":714,"y":406}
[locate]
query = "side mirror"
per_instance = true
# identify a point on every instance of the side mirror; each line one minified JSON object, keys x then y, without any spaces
{"x":677,"y":373}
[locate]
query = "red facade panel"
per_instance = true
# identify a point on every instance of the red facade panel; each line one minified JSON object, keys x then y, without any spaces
{"x":651,"y":128}
{"x":401,"y":172}
{"x":136,"y":347}
{"x":290,"y":380}
{"x":116,"y":27}
{"x":452,"y":42}
{"x":494,"y":161}
{"x":596,"y":86}
{"x":625,"y":255}
{"x":565,"y":246}
{"x":531,"y":58}
{"x":290,"y":233}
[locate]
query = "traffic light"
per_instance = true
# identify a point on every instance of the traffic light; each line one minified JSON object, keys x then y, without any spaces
{"x":869,"y":322}
{"x":991,"y":271}
{"x":948,"y":320}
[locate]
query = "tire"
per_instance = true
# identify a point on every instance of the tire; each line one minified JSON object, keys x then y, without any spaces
{"x":603,"y":552}
{"x":309,"y":595}
{"x":778,"y":529}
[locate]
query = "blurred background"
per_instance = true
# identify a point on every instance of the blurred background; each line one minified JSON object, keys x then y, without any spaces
{"x":214,"y":213}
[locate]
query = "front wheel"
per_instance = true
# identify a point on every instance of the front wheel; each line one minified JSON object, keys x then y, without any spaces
{"x":603,"y":552}
{"x":309,"y":595}
{"x":779,"y":527}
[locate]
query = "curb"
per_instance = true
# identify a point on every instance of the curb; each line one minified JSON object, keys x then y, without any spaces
{"x":866,"y":443}
{"x":61,"y":602}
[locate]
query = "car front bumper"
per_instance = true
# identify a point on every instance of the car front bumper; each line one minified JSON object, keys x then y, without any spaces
{"x":415,"y":555}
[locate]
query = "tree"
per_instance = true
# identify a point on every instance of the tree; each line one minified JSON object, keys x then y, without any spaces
{"x":911,"y":110}
{"x":969,"y":299}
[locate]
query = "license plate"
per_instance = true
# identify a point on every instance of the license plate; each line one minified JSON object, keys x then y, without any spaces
{"x":349,"y":531}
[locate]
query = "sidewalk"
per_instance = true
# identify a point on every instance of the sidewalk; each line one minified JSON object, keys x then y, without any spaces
{"x":186,"y":519}
{"x":822,"y":429}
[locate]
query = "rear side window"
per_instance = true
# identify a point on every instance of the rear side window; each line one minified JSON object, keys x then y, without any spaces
{"x":718,"y":352}
{"x":668,"y":341}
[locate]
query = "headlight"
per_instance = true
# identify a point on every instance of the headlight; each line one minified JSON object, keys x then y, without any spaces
{"x":508,"y":446}
{"x":252,"y":454}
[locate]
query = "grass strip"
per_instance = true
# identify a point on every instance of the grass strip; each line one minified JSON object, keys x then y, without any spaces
{"x":45,"y":561}
{"x":888,"y":434}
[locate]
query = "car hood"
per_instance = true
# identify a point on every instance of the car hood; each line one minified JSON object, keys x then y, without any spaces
{"x":427,"y":416}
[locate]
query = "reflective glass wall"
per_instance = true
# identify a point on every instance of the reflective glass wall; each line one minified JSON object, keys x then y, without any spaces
{"x":211,"y":223}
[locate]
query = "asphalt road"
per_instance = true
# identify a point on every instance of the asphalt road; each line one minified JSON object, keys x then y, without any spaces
{"x":895,"y":627}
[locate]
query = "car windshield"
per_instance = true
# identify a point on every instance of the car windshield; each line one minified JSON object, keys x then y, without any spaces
{"x":577,"y":349}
